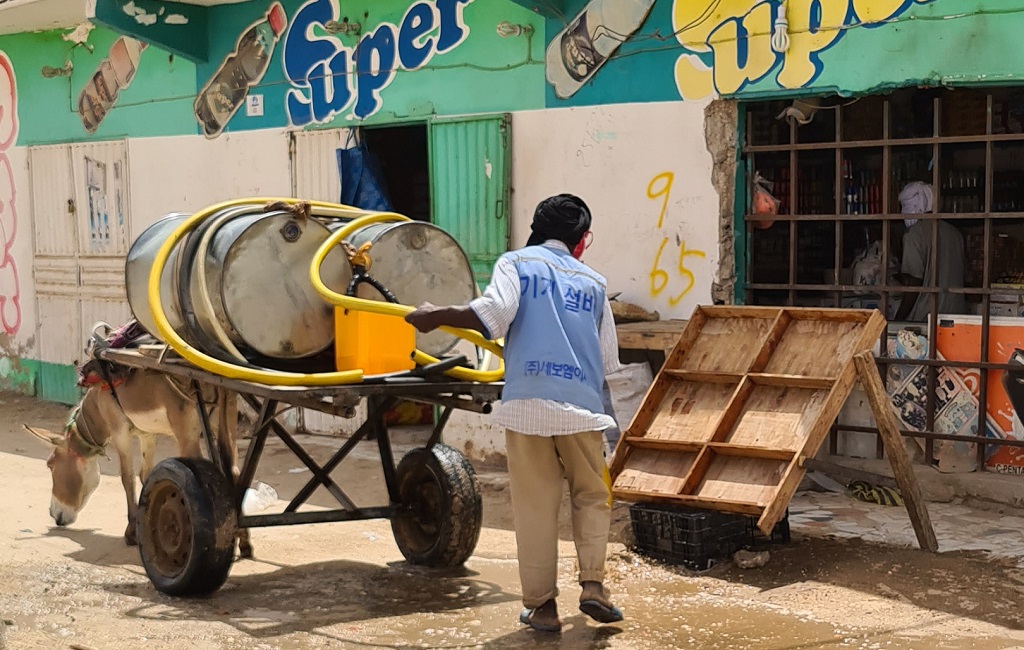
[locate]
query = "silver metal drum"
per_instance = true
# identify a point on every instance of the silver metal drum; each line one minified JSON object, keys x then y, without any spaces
{"x":255,"y":272}
{"x":418,"y":262}
{"x":138,"y":266}
{"x":257,"y":266}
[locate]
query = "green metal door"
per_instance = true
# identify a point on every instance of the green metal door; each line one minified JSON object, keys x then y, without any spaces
{"x":470,"y":185}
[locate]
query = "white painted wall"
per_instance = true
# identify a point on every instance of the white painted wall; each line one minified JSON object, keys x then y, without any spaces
{"x":609,"y":155}
{"x":24,"y":340}
{"x":188,"y":173}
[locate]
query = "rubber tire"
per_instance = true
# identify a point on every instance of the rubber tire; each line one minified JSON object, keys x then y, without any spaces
{"x":207,"y":495}
{"x":459,"y":515}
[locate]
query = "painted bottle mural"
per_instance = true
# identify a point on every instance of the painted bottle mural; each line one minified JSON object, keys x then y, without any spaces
{"x":114,"y":74}
{"x":226,"y":91}
{"x":575,"y":55}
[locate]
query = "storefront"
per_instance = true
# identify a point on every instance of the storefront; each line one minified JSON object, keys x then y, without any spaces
{"x":909,"y":202}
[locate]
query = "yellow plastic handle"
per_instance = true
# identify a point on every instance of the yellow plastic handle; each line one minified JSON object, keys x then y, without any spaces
{"x":391,"y":309}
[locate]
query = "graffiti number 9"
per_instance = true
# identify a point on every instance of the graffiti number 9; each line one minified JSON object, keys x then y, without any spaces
{"x":666,"y":179}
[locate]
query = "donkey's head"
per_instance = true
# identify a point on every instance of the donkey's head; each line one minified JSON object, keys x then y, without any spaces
{"x":75,"y":473}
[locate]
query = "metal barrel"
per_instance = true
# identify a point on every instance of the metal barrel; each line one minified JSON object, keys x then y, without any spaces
{"x":255,"y":273}
{"x":258,"y":267}
{"x":139,"y":264}
{"x":418,"y":262}
{"x":241,"y":279}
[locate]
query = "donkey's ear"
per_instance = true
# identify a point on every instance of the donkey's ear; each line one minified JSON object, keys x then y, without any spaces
{"x":47,"y":436}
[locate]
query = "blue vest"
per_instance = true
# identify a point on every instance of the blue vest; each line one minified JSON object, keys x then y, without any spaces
{"x":553,"y":349}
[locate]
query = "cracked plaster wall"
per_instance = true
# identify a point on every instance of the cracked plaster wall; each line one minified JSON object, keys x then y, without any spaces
{"x":720,"y":132}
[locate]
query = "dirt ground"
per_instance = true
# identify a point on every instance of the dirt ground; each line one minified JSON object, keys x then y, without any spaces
{"x":346,"y":585}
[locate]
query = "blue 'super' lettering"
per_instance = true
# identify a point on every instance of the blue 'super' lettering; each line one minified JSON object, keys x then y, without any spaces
{"x":327,"y":77}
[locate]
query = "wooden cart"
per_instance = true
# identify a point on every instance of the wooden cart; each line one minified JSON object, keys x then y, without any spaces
{"x":190,"y":509}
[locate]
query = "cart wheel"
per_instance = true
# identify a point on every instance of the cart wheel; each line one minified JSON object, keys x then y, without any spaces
{"x":440,"y":513}
{"x":187,"y":525}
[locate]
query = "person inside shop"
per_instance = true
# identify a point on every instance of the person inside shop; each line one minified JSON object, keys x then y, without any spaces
{"x":560,"y":344}
{"x":919,"y":258}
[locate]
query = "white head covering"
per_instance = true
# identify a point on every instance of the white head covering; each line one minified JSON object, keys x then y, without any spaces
{"x":916,"y":198}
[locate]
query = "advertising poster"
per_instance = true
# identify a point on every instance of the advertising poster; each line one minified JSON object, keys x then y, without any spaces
{"x":959,"y":339}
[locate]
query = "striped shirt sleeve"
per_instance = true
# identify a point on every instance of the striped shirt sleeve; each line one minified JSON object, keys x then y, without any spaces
{"x":498,"y":306}
{"x":609,"y":341}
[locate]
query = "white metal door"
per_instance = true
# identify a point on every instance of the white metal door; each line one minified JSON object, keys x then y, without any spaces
{"x":101,"y":190}
{"x":80,"y":222}
{"x":55,"y":266}
{"x":314,"y":163}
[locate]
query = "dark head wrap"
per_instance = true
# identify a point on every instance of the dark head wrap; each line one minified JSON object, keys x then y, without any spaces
{"x":564,"y":217}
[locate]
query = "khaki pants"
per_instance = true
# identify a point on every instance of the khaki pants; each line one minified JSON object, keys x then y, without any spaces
{"x":537,"y":466}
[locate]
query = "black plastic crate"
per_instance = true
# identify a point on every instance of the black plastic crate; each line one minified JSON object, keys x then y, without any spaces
{"x":780,"y":534}
{"x":693,"y":538}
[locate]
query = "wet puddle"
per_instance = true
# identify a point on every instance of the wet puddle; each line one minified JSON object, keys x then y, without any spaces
{"x":408,"y":609}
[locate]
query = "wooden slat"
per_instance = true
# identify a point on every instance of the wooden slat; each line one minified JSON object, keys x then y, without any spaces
{"x":737,"y":507}
{"x":771,"y":342}
{"x":791,"y":381}
{"x":869,"y":333}
{"x":659,"y":335}
{"x":706,"y":377}
{"x":720,"y":448}
{"x":896,"y":451}
{"x":751,"y":451}
{"x":732,"y":412}
{"x":643,"y":442}
{"x":697,"y":471}
{"x":740,"y":312}
{"x":830,"y":314}
{"x":690,"y":411}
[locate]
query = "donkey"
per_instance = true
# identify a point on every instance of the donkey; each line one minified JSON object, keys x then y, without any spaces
{"x":137,"y":404}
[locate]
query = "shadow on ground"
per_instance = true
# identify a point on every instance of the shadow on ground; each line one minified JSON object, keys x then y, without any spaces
{"x":321,"y":595}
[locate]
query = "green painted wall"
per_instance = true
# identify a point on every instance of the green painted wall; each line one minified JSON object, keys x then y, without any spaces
{"x":846,"y":46}
{"x":50,"y":381}
{"x":484,"y":74}
{"x":18,"y":375}
{"x":849,"y":46}
{"x":157,"y":102}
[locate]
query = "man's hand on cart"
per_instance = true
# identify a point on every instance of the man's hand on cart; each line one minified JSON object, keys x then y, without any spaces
{"x":428,"y":318}
{"x":425,"y":318}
